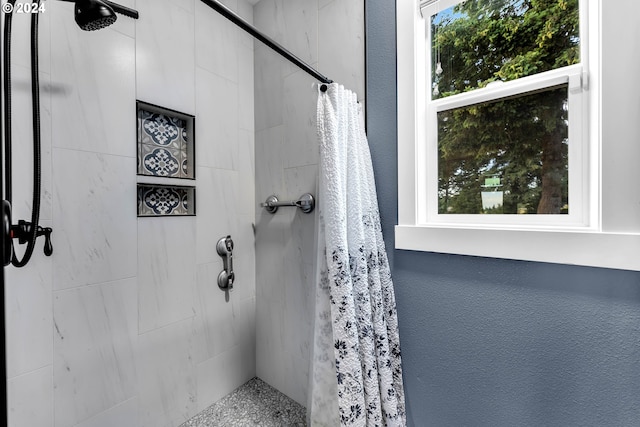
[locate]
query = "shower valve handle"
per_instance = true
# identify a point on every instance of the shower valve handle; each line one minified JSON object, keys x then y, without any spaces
{"x":23,"y":230}
{"x":224,"y":247}
{"x":48,"y":247}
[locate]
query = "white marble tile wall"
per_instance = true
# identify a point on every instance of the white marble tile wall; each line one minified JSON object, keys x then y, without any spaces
{"x":166,"y":271}
{"x":166,"y":369}
{"x":31,"y":398}
{"x":93,"y":77}
{"x":94,"y":233}
{"x":125,"y":325}
{"x":165,"y":53}
{"x":95,"y":341}
{"x":329,"y":34}
{"x":218,"y":134}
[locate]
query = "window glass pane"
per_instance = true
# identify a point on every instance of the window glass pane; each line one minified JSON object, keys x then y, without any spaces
{"x":477,"y":42}
{"x":505,"y":157}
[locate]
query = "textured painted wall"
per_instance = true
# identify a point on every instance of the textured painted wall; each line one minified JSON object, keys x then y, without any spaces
{"x":489,"y":342}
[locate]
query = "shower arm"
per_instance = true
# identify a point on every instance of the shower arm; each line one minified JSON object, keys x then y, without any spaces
{"x":118,"y":8}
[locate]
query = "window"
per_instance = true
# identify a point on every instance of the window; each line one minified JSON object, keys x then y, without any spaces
{"x":500,"y":136}
{"x":500,"y":130}
{"x":502,"y":157}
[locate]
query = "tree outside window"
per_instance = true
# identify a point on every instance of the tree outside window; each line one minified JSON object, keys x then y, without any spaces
{"x":512,"y":152}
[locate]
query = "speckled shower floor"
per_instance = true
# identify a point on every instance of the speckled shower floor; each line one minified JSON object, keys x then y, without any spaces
{"x":255,"y":403}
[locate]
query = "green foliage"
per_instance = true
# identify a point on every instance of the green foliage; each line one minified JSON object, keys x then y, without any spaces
{"x":523,"y":140}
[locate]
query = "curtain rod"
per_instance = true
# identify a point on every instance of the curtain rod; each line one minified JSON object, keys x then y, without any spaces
{"x":233,"y":17}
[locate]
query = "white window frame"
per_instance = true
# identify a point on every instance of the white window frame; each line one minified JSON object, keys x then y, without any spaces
{"x":605,"y":231}
{"x":576,"y":78}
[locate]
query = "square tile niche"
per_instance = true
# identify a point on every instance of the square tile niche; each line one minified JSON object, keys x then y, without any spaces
{"x":166,"y":159}
{"x":165,"y":200}
{"x":165,"y":142}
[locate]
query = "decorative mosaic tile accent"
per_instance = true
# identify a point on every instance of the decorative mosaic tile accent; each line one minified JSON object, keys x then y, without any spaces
{"x":163,"y":130}
{"x":161,"y":200}
{"x":165,"y":142}
{"x":160,"y":161}
{"x":255,"y":403}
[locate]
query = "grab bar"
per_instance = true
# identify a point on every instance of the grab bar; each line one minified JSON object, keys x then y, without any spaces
{"x":306,"y":203}
{"x":224,"y":247}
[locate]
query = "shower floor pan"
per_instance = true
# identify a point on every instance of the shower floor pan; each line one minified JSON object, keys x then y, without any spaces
{"x":255,"y":403}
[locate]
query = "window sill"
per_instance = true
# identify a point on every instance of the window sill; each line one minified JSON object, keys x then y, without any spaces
{"x":566,"y":246}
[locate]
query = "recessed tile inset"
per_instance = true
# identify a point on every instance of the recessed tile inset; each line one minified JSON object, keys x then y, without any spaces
{"x":165,"y":142}
{"x":163,"y":200}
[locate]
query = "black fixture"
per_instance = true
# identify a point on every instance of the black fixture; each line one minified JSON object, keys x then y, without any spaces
{"x":26,"y":233}
{"x":94,"y":15}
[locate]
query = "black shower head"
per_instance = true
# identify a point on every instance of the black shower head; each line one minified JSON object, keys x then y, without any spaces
{"x":93,"y":15}
{"x":97,"y":14}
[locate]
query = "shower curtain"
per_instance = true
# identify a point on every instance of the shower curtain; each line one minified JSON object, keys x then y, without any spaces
{"x":356,"y":373}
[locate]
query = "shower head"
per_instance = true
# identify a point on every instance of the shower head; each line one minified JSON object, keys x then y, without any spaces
{"x":93,"y":15}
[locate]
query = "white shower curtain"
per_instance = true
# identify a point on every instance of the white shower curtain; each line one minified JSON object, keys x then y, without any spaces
{"x":356,"y":373}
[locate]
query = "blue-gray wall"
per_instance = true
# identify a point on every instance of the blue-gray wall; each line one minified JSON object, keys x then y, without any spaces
{"x":489,"y":342}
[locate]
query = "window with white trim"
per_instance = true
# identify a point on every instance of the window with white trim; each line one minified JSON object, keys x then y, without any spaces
{"x":500,"y":133}
{"x":504,"y":112}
